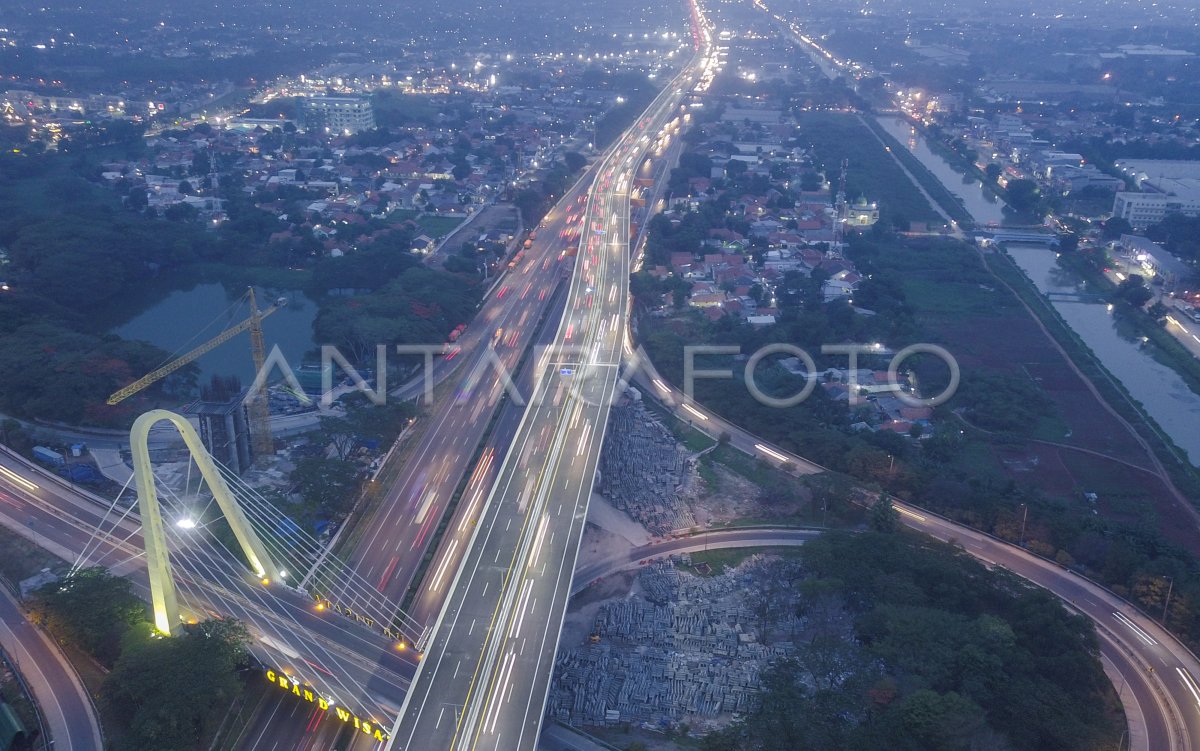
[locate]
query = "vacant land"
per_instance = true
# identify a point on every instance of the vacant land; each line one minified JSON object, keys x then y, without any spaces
{"x":834,"y":136}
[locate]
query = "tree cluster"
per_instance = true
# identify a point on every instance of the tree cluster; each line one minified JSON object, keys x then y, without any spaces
{"x":947,"y":656}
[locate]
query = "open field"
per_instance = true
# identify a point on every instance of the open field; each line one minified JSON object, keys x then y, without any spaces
{"x":835,"y":136}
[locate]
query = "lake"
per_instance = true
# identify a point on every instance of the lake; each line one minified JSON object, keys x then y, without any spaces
{"x":186,"y":318}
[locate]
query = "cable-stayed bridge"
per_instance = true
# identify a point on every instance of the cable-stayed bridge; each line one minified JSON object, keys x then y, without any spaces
{"x":207,"y":545}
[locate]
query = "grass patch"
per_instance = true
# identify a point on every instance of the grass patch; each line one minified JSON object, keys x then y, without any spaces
{"x":1182,"y":472}
{"x":718,"y":560}
{"x":399,"y":216}
{"x":932,"y":185}
{"x":438,"y":226}
{"x":691,"y":438}
{"x":21,"y":559}
{"x":752,"y":468}
{"x":873,"y":173}
{"x":949,"y":299}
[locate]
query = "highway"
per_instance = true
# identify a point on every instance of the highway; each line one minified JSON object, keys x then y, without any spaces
{"x":437,"y":455}
{"x":66,"y":708}
{"x":1167,"y":697}
{"x":372,"y":675}
{"x":505,"y":571}
{"x":483,"y":680}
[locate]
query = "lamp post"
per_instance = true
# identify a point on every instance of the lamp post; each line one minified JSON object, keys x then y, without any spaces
{"x":1167,"y":602}
{"x":1024,"y":518}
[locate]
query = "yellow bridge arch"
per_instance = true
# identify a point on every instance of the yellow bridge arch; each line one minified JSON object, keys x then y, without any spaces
{"x":162,"y":586}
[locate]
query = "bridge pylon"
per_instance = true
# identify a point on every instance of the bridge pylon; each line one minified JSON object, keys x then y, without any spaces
{"x":162,"y":586}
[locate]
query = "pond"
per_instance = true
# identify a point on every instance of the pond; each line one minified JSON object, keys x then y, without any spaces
{"x":187,"y":317}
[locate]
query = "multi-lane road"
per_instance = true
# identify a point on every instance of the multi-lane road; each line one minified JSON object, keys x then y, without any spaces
{"x":61,"y":697}
{"x":371,"y":675}
{"x":496,"y":590}
{"x":483,"y":680}
{"x":441,"y":450}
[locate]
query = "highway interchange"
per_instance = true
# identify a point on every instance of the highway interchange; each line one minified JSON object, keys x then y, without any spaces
{"x":483,"y":681}
{"x":496,"y":589}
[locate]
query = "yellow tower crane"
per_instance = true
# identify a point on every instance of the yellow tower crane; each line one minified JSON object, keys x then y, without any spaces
{"x":260,"y":427}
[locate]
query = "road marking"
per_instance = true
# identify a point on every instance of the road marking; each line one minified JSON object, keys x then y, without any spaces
{"x":472,"y":629}
{"x":439,"y":720}
{"x":441,"y":570}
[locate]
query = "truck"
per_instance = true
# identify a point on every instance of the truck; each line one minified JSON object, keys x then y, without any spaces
{"x":516,"y":259}
{"x":457,"y":332}
{"x":49,"y":456}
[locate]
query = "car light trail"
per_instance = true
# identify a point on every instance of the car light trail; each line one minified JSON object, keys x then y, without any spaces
{"x":1190,"y":684}
{"x":695,"y":412}
{"x":17,"y":479}
{"x":770,"y":452}
{"x":441,"y":572}
{"x":909,"y":514}
{"x":1136,"y":629}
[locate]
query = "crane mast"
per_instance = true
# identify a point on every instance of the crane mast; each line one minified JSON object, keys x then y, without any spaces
{"x":260,"y":413}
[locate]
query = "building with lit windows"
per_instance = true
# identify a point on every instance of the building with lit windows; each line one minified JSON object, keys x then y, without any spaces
{"x":339,"y":114}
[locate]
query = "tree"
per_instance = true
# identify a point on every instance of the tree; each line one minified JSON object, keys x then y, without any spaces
{"x":574,"y":161}
{"x":992,"y":171}
{"x":156,"y":709}
{"x":1133,"y":291}
{"x":90,"y":609}
{"x":1025,"y":197}
{"x":884,"y":517}
{"x":1116,"y":226}
{"x":327,"y":485}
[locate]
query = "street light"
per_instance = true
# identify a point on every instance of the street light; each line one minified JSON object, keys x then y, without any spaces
{"x":1167,"y":603}
{"x":1024,"y":517}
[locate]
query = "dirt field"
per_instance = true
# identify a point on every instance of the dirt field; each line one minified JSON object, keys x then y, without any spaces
{"x":1008,"y":340}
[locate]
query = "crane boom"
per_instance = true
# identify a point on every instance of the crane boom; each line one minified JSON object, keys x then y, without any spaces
{"x":171,"y":367}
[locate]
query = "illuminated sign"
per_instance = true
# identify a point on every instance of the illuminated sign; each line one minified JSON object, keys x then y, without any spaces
{"x":324,"y":603}
{"x":308,"y":694}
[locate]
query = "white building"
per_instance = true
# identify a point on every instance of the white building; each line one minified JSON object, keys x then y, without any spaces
{"x":1160,"y":197}
{"x":339,"y":114}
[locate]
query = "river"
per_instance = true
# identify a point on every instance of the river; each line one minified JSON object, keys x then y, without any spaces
{"x":980,"y":203}
{"x":1163,"y":393}
{"x":186,"y":318}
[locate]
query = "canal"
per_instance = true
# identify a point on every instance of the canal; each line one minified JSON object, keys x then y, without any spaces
{"x":980,"y":203}
{"x":1163,"y":393}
